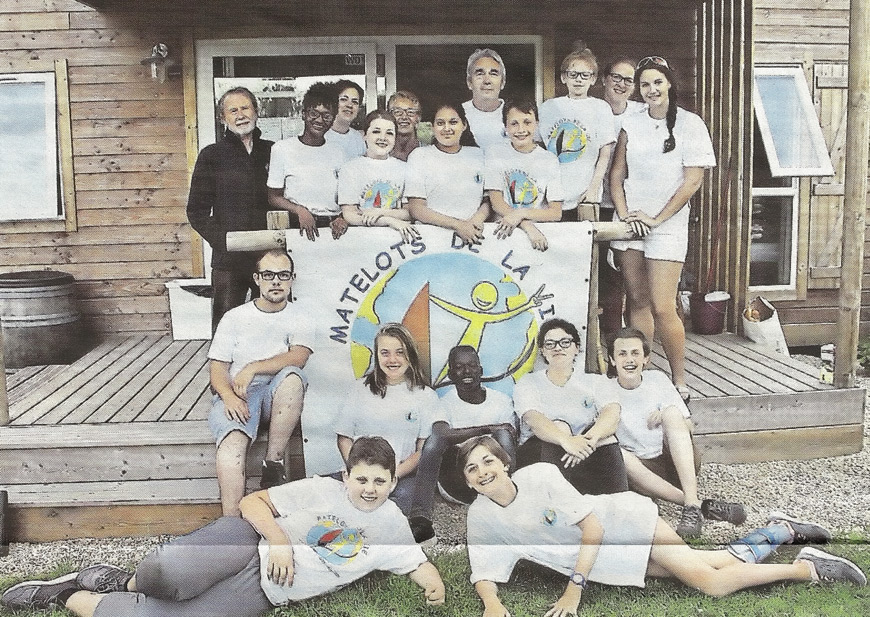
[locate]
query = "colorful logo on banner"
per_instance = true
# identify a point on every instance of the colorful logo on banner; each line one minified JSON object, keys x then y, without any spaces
{"x":567,"y":141}
{"x":333,"y":543}
{"x":447,"y":300}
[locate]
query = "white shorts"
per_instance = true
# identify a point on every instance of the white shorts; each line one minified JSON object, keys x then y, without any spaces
{"x":657,"y":245}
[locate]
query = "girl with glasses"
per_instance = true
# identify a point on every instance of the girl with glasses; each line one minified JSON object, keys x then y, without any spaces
{"x":445,"y":180}
{"x":659,"y":164}
{"x":568,"y":417}
{"x":371,"y":187}
{"x":579,"y":130}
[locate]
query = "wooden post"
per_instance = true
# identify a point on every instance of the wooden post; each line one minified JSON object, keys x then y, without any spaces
{"x":4,"y":396}
{"x":855,"y":202}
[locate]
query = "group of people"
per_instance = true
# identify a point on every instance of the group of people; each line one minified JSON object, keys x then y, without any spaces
{"x":561,"y":473}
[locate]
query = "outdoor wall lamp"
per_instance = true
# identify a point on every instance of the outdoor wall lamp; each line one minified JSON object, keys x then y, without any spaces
{"x":162,"y":66}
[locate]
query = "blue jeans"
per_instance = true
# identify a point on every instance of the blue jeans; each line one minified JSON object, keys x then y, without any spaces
{"x":760,"y":543}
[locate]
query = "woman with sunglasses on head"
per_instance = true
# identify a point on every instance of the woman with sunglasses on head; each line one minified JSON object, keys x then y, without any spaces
{"x":578,"y":129}
{"x":568,"y":417}
{"x":371,"y":187}
{"x":659,"y":164}
{"x":445,"y":180}
{"x":619,"y":539}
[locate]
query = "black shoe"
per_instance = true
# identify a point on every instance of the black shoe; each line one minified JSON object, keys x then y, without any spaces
{"x":31,"y":595}
{"x":103,"y":578}
{"x":422,"y":529}
{"x":715,"y":510}
{"x":691,"y":521}
{"x":805,"y":532}
{"x":273,"y":474}
{"x":829,"y":568}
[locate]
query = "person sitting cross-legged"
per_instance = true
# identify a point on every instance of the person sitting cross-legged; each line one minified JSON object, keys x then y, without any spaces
{"x":296,"y":541}
{"x":655,"y":432}
{"x":255,"y":364}
{"x":468,"y":409}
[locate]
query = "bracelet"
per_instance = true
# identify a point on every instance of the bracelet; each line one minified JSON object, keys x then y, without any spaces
{"x":579,"y":579}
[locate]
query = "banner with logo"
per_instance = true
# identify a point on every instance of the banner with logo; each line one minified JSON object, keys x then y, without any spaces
{"x":492,"y":297}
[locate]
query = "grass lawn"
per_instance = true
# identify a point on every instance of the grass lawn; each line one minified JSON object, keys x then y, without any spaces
{"x":532,"y":589}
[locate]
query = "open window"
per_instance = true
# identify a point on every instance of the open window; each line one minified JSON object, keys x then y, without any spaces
{"x":788,"y":144}
{"x":35,"y":152}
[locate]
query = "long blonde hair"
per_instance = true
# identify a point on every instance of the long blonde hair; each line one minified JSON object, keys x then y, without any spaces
{"x":376,"y":379}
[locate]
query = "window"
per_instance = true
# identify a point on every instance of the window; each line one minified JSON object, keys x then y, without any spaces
{"x":30,"y":183}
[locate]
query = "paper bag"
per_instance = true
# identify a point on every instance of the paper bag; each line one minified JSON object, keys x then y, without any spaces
{"x":761,"y":325}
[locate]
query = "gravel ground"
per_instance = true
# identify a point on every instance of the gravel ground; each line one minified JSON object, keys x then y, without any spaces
{"x":834,"y":491}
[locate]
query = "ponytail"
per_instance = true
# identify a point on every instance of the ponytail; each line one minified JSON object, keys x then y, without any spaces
{"x":671,"y":120}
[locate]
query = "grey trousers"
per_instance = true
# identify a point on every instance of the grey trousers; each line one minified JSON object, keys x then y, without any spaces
{"x":211,"y":572}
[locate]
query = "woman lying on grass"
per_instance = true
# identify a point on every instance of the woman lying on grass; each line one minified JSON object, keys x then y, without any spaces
{"x":615,"y":539}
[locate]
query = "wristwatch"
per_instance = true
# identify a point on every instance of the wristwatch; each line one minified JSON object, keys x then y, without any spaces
{"x":579,"y":579}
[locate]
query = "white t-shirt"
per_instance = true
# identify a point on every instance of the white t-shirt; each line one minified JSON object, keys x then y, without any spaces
{"x":451,"y":184}
{"x":654,"y":176}
{"x":654,"y":392}
{"x":575,"y":130}
{"x":540,"y":525}
{"x":498,"y":408}
{"x":351,"y":142}
{"x":525,"y":179}
{"x":372,"y":183}
{"x":402,"y":417}
{"x":486,"y":126}
{"x":632,"y":107}
{"x":246,"y":334}
{"x":334,"y":543}
{"x":578,"y":402}
{"x":308,"y":174}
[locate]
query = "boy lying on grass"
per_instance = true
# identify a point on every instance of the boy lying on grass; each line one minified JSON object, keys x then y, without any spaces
{"x":294,"y":541}
{"x":615,"y":539}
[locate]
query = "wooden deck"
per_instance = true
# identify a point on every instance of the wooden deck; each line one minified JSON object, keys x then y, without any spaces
{"x":117,"y":442}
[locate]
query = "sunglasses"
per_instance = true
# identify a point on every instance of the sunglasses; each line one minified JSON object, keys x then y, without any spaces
{"x":652,"y":61}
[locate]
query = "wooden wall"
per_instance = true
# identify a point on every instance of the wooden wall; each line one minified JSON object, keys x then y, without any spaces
{"x":815,"y":34}
{"x":132,"y":143}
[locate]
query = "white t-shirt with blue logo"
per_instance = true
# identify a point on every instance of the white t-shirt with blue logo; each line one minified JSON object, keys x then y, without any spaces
{"x":525,"y":179}
{"x":451,"y":183}
{"x":577,"y":403}
{"x":497,"y":408}
{"x":372,"y":183}
{"x":308,"y":175}
{"x":334,"y":543}
{"x":402,"y":417}
{"x":540,"y":525}
{"x":575,"y":130}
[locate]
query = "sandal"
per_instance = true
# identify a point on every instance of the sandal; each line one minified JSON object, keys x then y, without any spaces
{"x":684,"y":392}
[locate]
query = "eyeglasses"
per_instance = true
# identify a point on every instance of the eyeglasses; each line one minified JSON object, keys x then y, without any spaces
{"x":283,"y":275}
{"x":313,"y":114}
{"x":652,"y":61}
{"x":580,"y":74}
{"x":620,"y":79}
{"x":564,"y":343}
{"x":401,"y":112}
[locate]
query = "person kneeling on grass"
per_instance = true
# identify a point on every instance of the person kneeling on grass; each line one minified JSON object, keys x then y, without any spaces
{"x":294,"y":541}
{"x":615,"y":539}
{"x":655,"y":433}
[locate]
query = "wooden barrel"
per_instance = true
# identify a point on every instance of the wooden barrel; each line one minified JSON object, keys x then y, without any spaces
{"x":40,"y":322}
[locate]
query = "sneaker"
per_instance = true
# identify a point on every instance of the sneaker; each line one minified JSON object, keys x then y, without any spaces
{"x":827,"y":568}
{"x":421,"y":528}
{"x":691,"y":521}
{"x":103,"y":578}
{"x":38,"y":594}
{"x":273,"y":474}
{"x":805,"y":532}
{"x":715,"y":510}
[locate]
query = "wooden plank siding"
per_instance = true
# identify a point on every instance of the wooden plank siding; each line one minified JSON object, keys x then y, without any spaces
{"x":815,"y":34}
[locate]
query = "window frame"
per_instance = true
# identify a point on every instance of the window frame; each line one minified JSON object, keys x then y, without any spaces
{"x":64,"y":152}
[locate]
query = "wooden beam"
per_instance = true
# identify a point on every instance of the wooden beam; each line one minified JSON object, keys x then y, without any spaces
{"x":855,"y":202}
{"x":4,"y":395}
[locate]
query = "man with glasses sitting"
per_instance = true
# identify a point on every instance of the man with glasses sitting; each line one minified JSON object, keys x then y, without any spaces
{"x":303,"y":171}
{"x":255,"y":365}
{"x":405,"y":108}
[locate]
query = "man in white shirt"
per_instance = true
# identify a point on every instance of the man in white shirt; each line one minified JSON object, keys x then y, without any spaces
{"x":256,"y":360}
{"x":485,"y":75}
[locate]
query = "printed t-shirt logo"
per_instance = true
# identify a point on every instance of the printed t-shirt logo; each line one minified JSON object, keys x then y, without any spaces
{"x":567,"y":140}
{"x":522,"y":191}
{"x":381,"y":194}
{"x":335,"y":544}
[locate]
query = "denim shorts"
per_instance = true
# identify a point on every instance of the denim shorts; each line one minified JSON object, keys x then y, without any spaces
{"x":260,"y":393}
